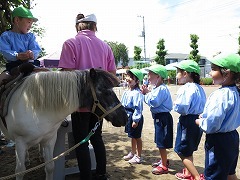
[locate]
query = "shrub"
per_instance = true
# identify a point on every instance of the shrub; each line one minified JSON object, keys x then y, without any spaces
{"x":206,"y":81}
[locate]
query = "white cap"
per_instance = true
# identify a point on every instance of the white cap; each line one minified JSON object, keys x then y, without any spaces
{"x":89,"y":18}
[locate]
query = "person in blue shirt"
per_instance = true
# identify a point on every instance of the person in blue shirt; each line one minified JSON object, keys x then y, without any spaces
{"x":221,"y":118}
{"x":132,"y":100}
{"x":160,"y":102}
{"x":189,"y":103}
{"x":17,"y":45}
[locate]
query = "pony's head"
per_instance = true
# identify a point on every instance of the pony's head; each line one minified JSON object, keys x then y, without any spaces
{"x":64,"y":92}
{"x":102,"y":99}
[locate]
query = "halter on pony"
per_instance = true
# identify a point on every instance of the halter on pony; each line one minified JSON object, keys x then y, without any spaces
{"x":97,"y":104}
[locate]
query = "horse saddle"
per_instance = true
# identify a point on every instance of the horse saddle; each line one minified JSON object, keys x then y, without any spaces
{"x":9,"y":85}
{"x":6,"y":91}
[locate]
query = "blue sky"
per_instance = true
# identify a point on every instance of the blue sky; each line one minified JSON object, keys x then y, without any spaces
{"x":215,"y":22}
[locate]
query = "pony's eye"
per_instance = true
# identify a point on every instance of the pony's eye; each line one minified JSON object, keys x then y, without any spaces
{"x":107,"y":92}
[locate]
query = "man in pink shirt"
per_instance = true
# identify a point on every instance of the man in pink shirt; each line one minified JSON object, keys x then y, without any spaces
{"x":86,"y":51}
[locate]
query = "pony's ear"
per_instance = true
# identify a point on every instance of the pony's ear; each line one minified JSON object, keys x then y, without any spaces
{"x":93,"y":73}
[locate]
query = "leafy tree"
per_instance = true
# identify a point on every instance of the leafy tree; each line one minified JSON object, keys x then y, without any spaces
{"x":120,"y":52}
{"x":137,"y":57}
{"x":194,"y":53}
{"x":161,"y":53}
{"x":137,"y":52}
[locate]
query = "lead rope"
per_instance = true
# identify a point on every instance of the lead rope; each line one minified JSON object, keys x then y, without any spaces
{"x":100,"y":118}
{"x":57,"y":157}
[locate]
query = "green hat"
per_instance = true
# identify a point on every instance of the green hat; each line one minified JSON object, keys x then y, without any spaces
{"x":230,"y":61}
{"x":159,"y":70}
{"x":189,"y":66}
{"x":23,"y":12}
{"x":137,"y":73}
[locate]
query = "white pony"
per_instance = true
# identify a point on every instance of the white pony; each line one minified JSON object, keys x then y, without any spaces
{"x":38,"y":107}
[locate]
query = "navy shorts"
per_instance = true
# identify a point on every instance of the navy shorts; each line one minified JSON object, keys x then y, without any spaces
{"x":14,"y":64}
{"x":133,"y":132}
{"x":221,"y":155}
{"x":188,"y":135}
{"x":163,"y":124}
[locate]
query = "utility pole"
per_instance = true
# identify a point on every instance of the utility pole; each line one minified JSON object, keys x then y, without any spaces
{"x":144,"y":38}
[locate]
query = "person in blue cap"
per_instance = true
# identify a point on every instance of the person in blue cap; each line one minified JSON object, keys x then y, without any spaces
{"x":18,"y":45}
{"x":132,"y":100}
{"x":189,"y":103}
{"x":221,"y":118}
{"x":160,"y":102}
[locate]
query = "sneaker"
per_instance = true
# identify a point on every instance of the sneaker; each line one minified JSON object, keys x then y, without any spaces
{"x":10,"y":143}
{"x":135,"y":160}
{"x":128,"y":157}
{"x":159,"y":170}
{"x":155,"y":164}
{"x":202,"y":177}
{"x":101,"y":177}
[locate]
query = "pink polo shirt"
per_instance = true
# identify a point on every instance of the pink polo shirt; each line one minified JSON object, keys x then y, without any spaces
{"x":86,"y":51}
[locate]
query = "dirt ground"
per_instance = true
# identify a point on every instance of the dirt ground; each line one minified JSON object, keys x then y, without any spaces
{"x":117,"y":145}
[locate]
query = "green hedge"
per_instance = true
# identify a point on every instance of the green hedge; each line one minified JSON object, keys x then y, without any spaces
{"x":206,"y":81}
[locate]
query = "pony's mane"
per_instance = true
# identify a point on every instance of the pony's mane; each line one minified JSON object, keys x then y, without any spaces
{"x":55,"y":91}
{"x":51,"y":91}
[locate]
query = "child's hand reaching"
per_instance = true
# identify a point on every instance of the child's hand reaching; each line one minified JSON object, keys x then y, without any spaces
{"x":144,"y":89}
{"x":134,"y":124}
{"x":24,"y":56}
{"x":30,"y":54}
{"x":197,"y":120}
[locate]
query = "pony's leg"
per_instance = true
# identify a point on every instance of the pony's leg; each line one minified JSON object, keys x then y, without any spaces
{"x":20,"y":150}
{"x":48,"y":148}
{"x":27,"y":160}
{"x":40,"y":151}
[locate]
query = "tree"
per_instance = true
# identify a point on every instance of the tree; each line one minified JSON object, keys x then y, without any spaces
{"x":161,"y":53}
{"x":137,"y":52}
{"x":120,"y":52}
{"x":194,"y":53}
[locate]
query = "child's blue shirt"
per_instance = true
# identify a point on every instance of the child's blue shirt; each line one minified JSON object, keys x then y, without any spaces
{"x":222,"y":111}
{"x":159,"y":99}
{"x":12,"y":43}
{"x":191,"y":99}
{"x":133,"y":99}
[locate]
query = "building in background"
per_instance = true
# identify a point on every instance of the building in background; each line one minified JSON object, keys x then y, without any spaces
{"x":178,"y":57}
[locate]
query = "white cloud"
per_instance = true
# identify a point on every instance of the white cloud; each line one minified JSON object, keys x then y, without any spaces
{"x":212,"y":21}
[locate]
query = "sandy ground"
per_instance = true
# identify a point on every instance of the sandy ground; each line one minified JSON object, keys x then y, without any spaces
{"x":117,"y":145}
